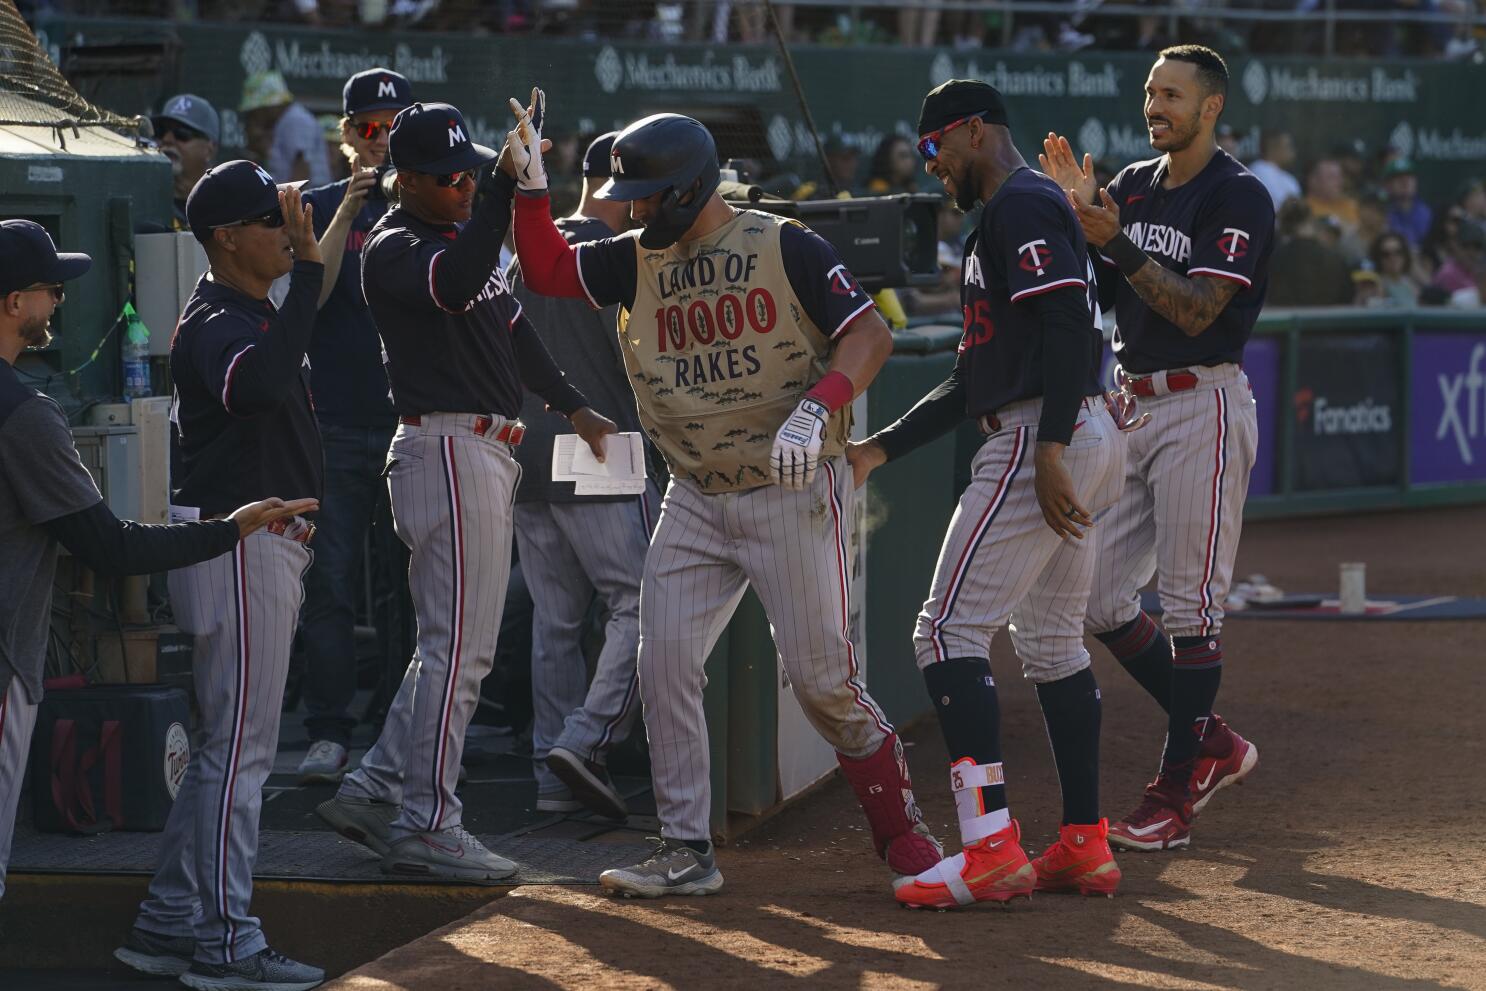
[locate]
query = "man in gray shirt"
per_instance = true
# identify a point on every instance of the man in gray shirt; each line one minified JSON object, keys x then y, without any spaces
{"x":47,"y":498}
{"x":573,"y":547}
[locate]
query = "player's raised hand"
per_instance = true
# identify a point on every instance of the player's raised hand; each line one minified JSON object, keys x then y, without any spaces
{"x":299,"y":224}
{"x":593,"y":427}
{"x":524,"y":144}
{"x":1058,"y":162}
{"x":865,"y":457}
{"x":1100,"y":221}
{"x":797,"y":444}
{"x":259,"y":514}
{"x":1056,"y":494}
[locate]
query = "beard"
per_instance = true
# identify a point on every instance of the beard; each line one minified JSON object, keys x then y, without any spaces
{"x":966,"y":195}
{"x":36,"y":333}
{"x":1179,"y":138}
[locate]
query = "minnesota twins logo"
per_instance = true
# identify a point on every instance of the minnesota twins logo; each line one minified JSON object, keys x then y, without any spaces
{"x":616,"y":167}
{"x":841,"y":283}
{"x":1233,"y":242}
{"x":1035,"y":256}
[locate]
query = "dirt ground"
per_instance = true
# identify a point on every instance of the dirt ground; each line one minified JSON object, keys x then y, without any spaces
{"x":1352,"y":858}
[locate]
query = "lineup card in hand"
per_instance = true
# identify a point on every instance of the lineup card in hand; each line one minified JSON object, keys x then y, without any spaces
{"x":621,"y":473}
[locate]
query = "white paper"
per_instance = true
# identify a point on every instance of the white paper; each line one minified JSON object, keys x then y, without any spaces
{"x":621,"y":473}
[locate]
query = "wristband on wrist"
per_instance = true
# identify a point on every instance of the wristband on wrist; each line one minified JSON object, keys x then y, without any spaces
{"x":834,"y":390}
{"x":1125,"y":254}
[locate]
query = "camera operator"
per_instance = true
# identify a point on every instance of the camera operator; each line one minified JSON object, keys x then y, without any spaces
{"x":356,"y":418}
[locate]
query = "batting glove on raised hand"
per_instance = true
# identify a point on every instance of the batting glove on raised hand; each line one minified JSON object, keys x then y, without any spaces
{"x":524,"y":142}
{"x":797,"y":444}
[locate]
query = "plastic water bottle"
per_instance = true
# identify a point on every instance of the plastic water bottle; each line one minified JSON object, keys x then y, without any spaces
{"x":136,"y":355}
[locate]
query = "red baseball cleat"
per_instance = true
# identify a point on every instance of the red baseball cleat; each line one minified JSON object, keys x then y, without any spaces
{"x":993,"y":869}
{"x":1080,"y":861}
{"x":1162,"y":821}
{"x":1225,"y":759}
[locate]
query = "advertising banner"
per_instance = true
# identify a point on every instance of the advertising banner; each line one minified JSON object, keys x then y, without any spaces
{"x":1348,"y":417}
{"x":1448,"y":443}
{"x":1261,"y":363}
{"x":860,"y":94}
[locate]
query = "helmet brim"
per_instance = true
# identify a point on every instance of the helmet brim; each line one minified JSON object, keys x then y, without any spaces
{"x":625,"y":190}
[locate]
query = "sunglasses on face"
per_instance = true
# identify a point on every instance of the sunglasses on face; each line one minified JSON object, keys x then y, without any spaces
{"x":55,"y":288}
{"x":370,"y":129}
{"x":456,"y":178}
{"x":928,"y":145}
{"x":273,"y":218}
{"x":180,"y":132}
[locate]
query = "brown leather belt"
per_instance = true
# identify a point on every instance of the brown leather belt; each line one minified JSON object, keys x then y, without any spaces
{"x":510,"y":432}
{"x":302,"y":531}
{"x":1176,"y":381}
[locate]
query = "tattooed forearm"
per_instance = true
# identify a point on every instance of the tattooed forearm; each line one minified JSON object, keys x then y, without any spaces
{"x":1191,"y":304}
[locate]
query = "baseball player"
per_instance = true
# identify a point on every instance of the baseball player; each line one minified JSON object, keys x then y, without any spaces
{"x":47,"y":498}
{"x":356,"y":420}
{"x":573,"y":547}
{"x":1184,"y":241}
{"x":459,"y":350}
{"x":745,"y":340}
{"x":1015,"y":554}
{"x":243,"y":425}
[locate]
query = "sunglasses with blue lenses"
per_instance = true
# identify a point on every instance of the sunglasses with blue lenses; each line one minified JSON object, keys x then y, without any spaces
{"x":928,"y":145}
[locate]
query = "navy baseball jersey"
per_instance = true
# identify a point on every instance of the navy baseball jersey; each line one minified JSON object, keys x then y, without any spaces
{"x":446,"y":360}
{"x":245,"y":427}
{"x":1219,"y":223}
{"x":1028,"y":242}
{"x":346,"y":373}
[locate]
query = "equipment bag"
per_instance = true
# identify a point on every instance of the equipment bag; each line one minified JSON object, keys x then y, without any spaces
{"x":108,"y":757}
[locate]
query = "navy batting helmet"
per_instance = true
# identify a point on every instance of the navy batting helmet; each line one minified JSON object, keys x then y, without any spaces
{"x":664,"y":153}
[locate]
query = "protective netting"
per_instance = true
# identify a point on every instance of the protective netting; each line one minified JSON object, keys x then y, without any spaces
{"x":33,"y":91}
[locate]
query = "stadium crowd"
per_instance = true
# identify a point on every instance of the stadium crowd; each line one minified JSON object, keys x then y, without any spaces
{"x":912,"y":22}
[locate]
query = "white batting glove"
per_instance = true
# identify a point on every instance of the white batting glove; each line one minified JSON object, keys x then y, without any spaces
{"x":797,"y":444}
{"x":524,"y":142}
{"x":1123,"y":410}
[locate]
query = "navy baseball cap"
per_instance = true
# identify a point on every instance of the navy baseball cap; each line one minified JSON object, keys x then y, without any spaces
{"x":432,"y":138}
{"x":29,"y":256}
{"x":228,"y":193}
{"x":596,"y":158}
{"x":376,"y":89}
{"x":956,"y":98}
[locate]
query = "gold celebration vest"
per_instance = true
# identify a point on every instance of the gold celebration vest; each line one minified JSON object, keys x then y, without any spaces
{"x":719,"y":351}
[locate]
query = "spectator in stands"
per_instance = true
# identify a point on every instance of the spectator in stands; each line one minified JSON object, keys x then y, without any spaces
{"x":1272,"y":167}
{"x":842,"y":159}
{"x":944,"y":298}
{"x":1326,"y":193}
{"x":1367,"y":288}
{"x":1472,"y":200}
{"x":1407,"y":214}
{"x":189,"y":131}
{"x":1393,"y":261}
{"x":282,"y":133}
{"x":1307,"y":269}
{"x":894,"y":167}
{"x":1461,"y":253}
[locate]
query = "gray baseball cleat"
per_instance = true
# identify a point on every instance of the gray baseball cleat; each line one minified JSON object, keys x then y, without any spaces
{"x":673,"y":869}
{"x":156,"y":955}
{"x":265,"y":970}
{"x":364,"y":820}
{"x":589,"y":781}
{"x":451,"y":853}
{"x":325,"y":763}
